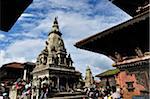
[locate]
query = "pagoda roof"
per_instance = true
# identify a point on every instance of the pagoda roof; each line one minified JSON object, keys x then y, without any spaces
{"x":132,"y":7}
{"x":10,"y":11}
{"x":108,"y":73}
{"x":16,"y":65}
{"x":122,"y":38}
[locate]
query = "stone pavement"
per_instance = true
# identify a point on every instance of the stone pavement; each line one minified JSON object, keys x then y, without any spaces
{"x":70,"y":97}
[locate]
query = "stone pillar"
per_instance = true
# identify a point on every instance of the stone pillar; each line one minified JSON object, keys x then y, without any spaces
{"x":65,"y":61}
{"x":38,"y":83}
{"x":59,"y":59}
{"x":67,"y":86}
{"x":38,"y":93}
{"x":25,"y":74}
{"x":13,"y":92}
{"x":58,"y":84}
{"x":74,"y":85}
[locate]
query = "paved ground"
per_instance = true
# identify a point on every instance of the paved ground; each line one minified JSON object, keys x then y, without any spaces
{"x":70,"y":97}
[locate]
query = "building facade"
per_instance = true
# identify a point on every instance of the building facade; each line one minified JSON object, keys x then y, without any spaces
{"x":122,"y":80}
{"x":108,"y":78}
{"x":10,"y":72}
{"x":129,"y":85}
{"x":128,"y":45}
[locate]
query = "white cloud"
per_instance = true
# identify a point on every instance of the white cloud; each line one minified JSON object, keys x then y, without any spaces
{"x":97,"y":62}
{"x":27,"y":48}
{"x":2,"y":37}
{"x":25,"y":15}
{"x":21,"y":51}
{"x":4,"y":59}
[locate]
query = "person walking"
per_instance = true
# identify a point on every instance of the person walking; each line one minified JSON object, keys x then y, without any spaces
{"x":96,"y":93}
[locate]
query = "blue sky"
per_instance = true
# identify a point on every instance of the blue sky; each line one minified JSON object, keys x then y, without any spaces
{"x":77,"y":19}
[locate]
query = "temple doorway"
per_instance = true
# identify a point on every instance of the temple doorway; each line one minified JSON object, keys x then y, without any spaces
{"x":63,"y":84}
{"x":71,"y":83}
{"x":54,"y":84}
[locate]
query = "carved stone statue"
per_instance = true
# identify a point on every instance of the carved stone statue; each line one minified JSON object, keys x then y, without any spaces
{"x":38,"y":61}
{"x":138,"y":52}
{"x":44,"y":60}
{"x":118,"y":56}
{"x":61,"y":45}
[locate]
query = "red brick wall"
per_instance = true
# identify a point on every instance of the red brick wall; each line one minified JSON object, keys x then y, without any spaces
{"x":121,"y":80}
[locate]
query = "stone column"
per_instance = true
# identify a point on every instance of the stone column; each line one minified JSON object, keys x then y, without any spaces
{"x":38,"y":83}
{"x":65,"y":61}
{"x":25,"y":74}
{"x":74,"y":85}
{"x":59,"y":59}
{"x":67,"y":87}
{"x":58,"y":84}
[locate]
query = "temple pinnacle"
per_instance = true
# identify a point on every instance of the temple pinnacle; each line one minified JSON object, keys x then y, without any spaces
{"x":55,"y":20}
{"x":55,"y":27}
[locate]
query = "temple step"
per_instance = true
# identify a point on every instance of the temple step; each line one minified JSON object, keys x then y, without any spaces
{"x":70,"y":97}
{"x":67,"y":95}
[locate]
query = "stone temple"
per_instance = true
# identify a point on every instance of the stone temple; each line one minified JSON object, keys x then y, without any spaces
{"x":89,"y":79}
{"x":54,"y":63}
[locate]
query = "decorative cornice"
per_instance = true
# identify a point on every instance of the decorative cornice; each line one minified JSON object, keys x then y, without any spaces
{"x":137,"y":60}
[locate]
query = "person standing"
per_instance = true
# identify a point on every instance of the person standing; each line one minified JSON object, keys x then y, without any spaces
{"x":116,"y":94}
{"x":44,"y":88}
{"x":96,"y":93}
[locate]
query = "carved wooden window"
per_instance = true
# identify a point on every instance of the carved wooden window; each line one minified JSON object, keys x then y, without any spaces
{"x":130,"y":86}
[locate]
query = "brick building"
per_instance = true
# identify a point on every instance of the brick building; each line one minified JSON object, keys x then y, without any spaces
{"x":128,"y":85}
{"x":12,"y":71}
{"x":108,"y":78}
{"x":121,"y":79}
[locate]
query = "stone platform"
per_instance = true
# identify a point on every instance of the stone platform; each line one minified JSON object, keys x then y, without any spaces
{"x":70,"y":97}
{"x":67,"y":95}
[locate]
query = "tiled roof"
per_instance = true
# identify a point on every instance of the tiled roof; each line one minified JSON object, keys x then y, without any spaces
{"x":13,"y":65}
{"x":108,"y":73}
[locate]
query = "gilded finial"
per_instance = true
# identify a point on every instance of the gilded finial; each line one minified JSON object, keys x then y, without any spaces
{"x":55,"y":20}
{"x":88,"y":67}
{"x":55,"y":27}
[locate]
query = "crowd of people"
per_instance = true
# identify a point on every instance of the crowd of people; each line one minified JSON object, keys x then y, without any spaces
{"x":4,"y":91}
{"x":103,"y":93}
{"x":25,"y":89}
{"x":21,"y":88}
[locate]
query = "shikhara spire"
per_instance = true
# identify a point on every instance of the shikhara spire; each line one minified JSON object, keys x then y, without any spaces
{"x":88,"y":77}
{"x":55,"y":52}
{"x":55,"y":27}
